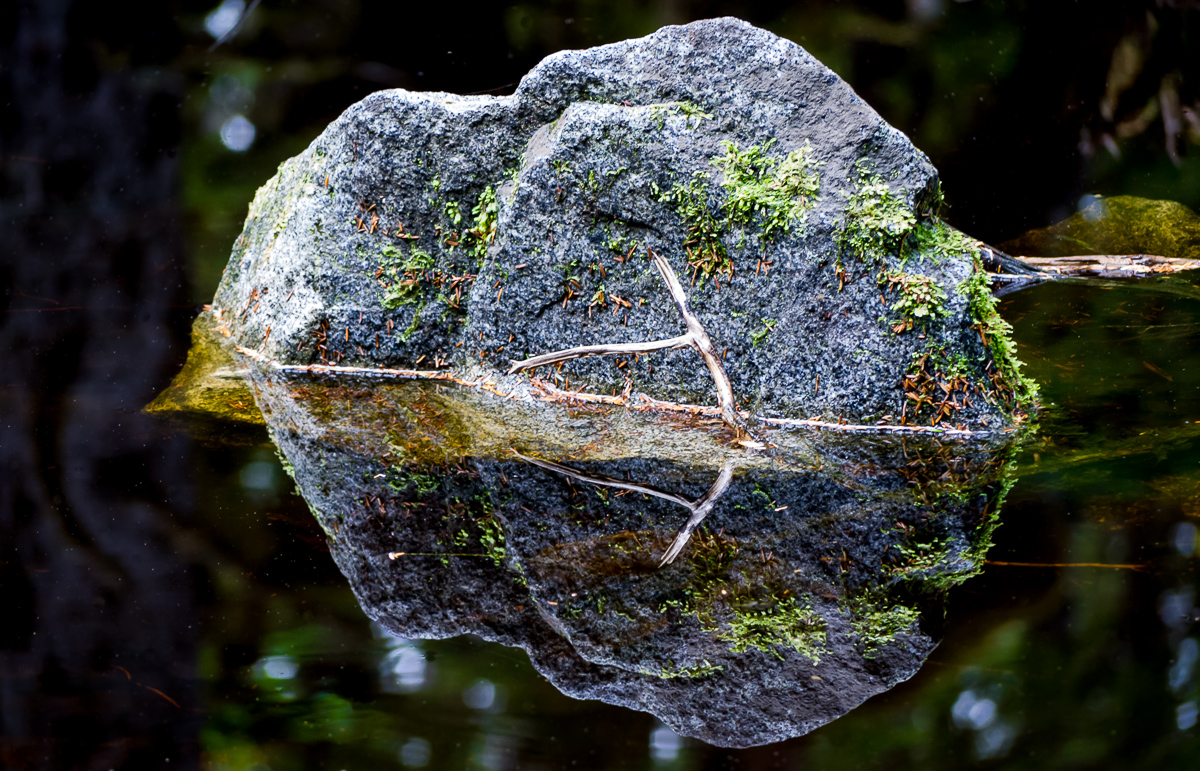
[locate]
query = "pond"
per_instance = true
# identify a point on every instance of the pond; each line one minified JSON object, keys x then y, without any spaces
{"x":435,"y":600}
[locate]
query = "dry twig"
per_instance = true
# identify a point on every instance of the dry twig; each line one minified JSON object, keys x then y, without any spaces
{"x":695,"y":338}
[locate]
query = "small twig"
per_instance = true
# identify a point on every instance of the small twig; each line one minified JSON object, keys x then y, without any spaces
{"x":599,"y":479}
{"x":700,"y":510}
{"x":682,"y":341}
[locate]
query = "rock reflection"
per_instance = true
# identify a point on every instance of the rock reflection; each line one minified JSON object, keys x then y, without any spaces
{"x":806,"y":578}
{"x":814,"y":582}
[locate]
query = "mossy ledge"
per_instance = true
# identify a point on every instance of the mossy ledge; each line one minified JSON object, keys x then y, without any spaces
{"x":461,"y":233}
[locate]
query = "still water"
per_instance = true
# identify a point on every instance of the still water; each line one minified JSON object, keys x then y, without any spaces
{"x":170,"y":602}
{"x":1073,"y":646}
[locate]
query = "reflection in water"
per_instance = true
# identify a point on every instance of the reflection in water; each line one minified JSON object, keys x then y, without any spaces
{"x":698,"y":509}
{"x":403,"y":668}
{"x":665,"y":744}
{"x":1062,"y":633}
{"x":815,"y":581}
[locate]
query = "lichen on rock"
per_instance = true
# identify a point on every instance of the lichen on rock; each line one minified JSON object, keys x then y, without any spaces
{"x":465,"y":232}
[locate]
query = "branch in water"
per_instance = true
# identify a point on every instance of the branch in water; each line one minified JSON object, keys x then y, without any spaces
{"x":699,"y":508}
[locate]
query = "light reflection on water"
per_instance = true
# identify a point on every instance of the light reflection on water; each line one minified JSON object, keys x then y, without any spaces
{"x":403,"y":668}
{"x":415,"y":753}
{"x":665,"y":744}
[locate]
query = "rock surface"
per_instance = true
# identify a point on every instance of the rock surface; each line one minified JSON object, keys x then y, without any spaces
{"x":438,"y":231}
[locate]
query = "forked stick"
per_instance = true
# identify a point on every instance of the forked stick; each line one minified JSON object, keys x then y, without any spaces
{"x":696,"y":338}
{"x":699,"y":508}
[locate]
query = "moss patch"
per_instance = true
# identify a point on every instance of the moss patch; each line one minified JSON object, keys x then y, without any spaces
{"x":775,"y":194}
{"x":876,"y":221}
{"x":762,"y":197}
{"x":876,"y":622}
{"x":1015,"y":392}
{"x":920,"y":299}
{"x":787,"y":623}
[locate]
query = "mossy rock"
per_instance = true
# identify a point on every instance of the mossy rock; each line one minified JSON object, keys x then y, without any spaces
{"x":429,"y":230}
{"x":1122,"y":224}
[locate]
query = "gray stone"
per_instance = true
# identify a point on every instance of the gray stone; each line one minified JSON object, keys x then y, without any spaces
{"x":464,"y":232}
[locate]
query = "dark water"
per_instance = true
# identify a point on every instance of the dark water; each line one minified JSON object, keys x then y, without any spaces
{"x":169,"y":602}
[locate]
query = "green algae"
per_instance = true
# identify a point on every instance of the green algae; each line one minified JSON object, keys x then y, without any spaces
{"x":210,"y":394}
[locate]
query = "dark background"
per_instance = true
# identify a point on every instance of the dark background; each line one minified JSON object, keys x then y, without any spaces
{"x":120,"y":539}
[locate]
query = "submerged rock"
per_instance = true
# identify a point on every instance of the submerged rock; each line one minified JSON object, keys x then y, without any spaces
{"x":465,"y":232}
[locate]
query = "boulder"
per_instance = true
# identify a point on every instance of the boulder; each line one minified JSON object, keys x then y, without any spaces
{"x":463,"y":233}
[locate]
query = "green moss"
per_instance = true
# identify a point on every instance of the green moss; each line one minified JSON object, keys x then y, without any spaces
{"x":689,"y":110}
{"x":787,"y":623}
{"x":876,"y":622}
{"x":401,"y":277}
{"x":921,"y":299}
{"x":486,"y":212}
{"x":452,"y":212}
{"x":767,"y":195}
{"x":921,"y":557}
{"x":877,"y":225}
{"x":757,"y":337}
{"x":673,"y":670}
{"x":401,"y":479}
{"x":413,"y":325}
{"x":491,"y":537}
{"x":1010,"y":388}
{"x":704,"y":242}
{"x":878,"y":228}
{"x":875,"y":221}
{"x":775,"y":194}
{"x":933,"y":238}
{"x":692,"y":110}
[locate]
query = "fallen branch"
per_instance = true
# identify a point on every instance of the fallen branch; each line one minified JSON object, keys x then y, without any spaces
{"x":1110,"y":265}
{"x":699,"y":508}
{"x":638,"y":402}
{"x":422,"y":374}
{"x":695,"y":338}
